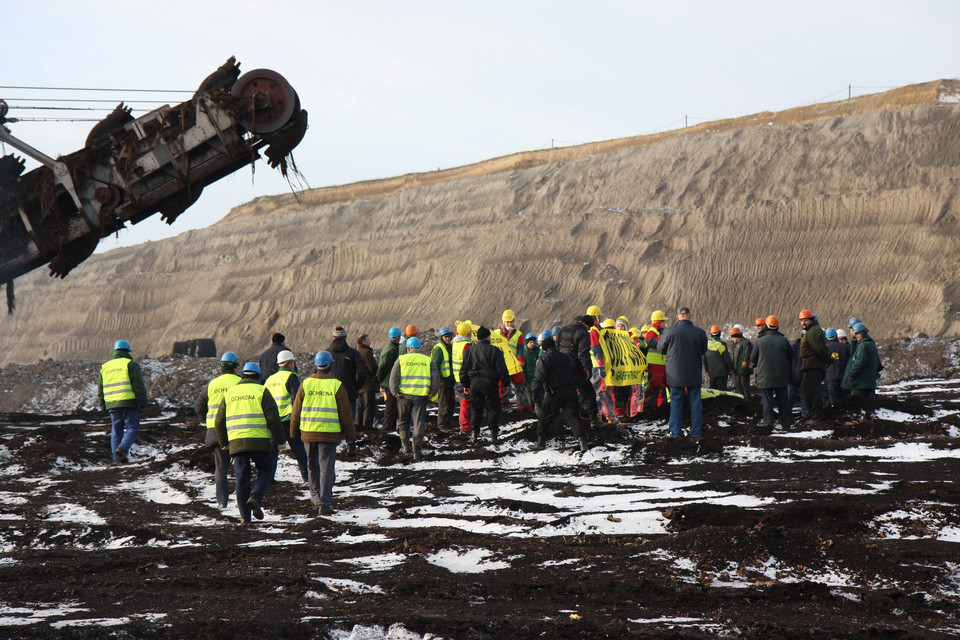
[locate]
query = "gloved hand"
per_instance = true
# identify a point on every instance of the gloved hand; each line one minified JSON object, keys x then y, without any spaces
{"x":522,"y":360}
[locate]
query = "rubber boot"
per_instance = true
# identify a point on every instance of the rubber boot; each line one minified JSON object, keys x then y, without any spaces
{"x":415,"y":449}
{"x":404,"y":443}
{"x":475,"y":437}
{"x":583,"y":445}
{"x":541,"y":443}
{"x":494,"y":436}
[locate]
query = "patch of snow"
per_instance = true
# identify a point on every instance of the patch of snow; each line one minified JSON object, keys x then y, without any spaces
{"x":67,"y":512}
{"x":380,"y":562}
{"x":466,"y":560}
{"x":339,"y":584}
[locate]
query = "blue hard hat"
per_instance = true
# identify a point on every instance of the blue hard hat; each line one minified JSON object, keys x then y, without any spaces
{"x":529,"y":337}
{"x":413,"y":343}
{"x":323,"y":358}
{"x":857,"y":328}
{"x":122,"y":344}
{"x":251,"y":367}
{"x":445,"y":331}
{"x":852,"y":322}
{"x":556,"y":330}
{"x":546,"y":334}
{"x":230,"y":356}
{"x":394,"y":332}
{"x":831,"y":333}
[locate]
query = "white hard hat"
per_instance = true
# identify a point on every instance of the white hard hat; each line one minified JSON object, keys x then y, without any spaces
{"x":841,"y":333}
{"x":738,"y":326}
{"x":284,"y":356}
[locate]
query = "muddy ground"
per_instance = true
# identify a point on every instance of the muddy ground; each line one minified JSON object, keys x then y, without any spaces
{"x":825,"y":533}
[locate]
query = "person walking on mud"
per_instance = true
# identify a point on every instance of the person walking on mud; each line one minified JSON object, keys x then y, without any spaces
{"x":121,"y":392}
{"x":245,"y":422}
{"x":207,"y":406}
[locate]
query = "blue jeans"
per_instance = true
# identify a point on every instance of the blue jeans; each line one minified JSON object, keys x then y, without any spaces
{"x":124,"y":426}
{"x":243,"y":472}
{"x":321,"y":470}
{"x":676,"y":410}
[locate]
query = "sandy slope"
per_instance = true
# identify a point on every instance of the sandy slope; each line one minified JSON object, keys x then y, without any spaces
{"x":846,"y":215}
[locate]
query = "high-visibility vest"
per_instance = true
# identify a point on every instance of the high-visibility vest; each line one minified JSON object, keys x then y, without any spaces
{"x":318,"y":413}
{"x":116,"y":380}
{"x":716,"y":345}
{"x":653,"y":355}
{"x":414,"y":374}
{"x":446,"y":362}
{"x":513,"y":341}
{"x":277,"y":386}
{"x":458,"y":349}
{"x":216,"y":389}
{"x":245,"y":417}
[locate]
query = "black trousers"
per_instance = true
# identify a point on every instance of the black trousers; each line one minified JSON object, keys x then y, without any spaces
{"x":810,"y":389}
{"x":390,"y":413}
{"x":588,"y":396}
{"x":445,"y":402}
{"x":564,"y":401}
{"x":485,"y":398}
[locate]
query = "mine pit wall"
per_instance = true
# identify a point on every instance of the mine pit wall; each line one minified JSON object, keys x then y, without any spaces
{"x":846,"y":216}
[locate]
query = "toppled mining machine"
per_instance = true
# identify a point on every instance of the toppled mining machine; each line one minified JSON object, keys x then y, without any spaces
{"x":131,"y":168}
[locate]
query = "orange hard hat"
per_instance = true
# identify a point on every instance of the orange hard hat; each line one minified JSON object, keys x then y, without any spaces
{"x":759,"y":322}
{"x":714,"y":329}
{"x":736,"y":331}
{"x":772,"y":322}
{"x":412,"y":330}
{"x":806,"y":313}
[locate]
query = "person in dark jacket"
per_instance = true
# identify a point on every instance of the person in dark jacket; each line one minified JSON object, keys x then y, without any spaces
{"x":388,"y":357}
{"x":863,"y":367}
{"x":574,"y":341}
{"x":207,"y":405}
{"x":796,"y":376}
{"x":268,"y":359}
{"x":716,"y":361}
{"x":367,"y":394}
{"x":121,"y":392}
{"x":483,"y":370}
{"x":740,"y":352}
{"x":772,"y":359}
{"x":245,"y":423}
{"x":349,"y":368}
{"x":283,"y":386}
{"x":527,"y":354}
{"x":683,"y":346}
{"x":814,"y":358}
{"x":554,"y":386}
{"x":839,"y":354}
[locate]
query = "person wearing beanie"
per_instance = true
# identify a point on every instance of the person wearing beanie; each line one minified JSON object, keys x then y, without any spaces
{"x":554,"y":387}
{"x":268,"y":359}
{"x":483,"y":370}
{"x":349,"y":368}
{"x":207,"y":405}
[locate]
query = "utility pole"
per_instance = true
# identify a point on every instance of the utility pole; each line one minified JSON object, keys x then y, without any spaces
{"x":849,"y":91}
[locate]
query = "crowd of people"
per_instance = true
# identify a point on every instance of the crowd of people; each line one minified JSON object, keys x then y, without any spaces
{"x":560,"y":375}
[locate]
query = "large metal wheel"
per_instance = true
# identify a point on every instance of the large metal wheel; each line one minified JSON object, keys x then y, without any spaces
{"x":269,"y":100}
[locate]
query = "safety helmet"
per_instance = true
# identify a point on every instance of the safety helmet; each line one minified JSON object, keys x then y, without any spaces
{"x":529,"y":337}
{"x":634,"y":332}
{"x":841,"y":333}
{"x":393,"y":333}
{"x":546,"y":333}
{"x":412,"y":330}
{"x":463,"y":329}
{"x":251,"y":367}
{"x":657,"y":316}
{"x":852,"y":322}
{"x":608,"y":324}
{"x":858,"y":328}
{"x":230,"y":356}
{"x":831,"y":333}
{"x":806,"y":314}
{"x":738,"y":327}
{"x":323,"y":358}
{"x":714,"y":330}
{"x":772,"y":322}
{"x":759,"y":322}
{"x":413,"y":343}
{"x":445,"y":331}
{"x":593,"y":310}
{"x":285,"y":355}
{"x":556,"y":331}
{"x":736,"y":331}
{"x":645,"y":329}
{"x":121,"y":344}
{"x":508,"y":316}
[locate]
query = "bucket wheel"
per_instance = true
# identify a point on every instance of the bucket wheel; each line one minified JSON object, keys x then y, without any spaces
{"x":268,"y":100}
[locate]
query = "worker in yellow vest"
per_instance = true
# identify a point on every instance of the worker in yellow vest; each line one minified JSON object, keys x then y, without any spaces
{"x":656,"y":392}
{"x":442,"y":357}
{"x":121,"y":392}
{"x":246,"y":420}
{"x":322,"y":417}
{"x":207,"y":405}
{"x":461,"y":342}
{"x":414,"y":379}
{"x":283,"y":386}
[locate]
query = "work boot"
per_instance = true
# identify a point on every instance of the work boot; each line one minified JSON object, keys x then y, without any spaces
{"x":541,"y":443}
{"x":404,"y":443}
{"x":583,"y":445}
{"x":122,"y":456}
{"x":595,"y":422}
{"x":494,"y":436}
{"x":415,"y":449}
{"x":475,"y":437}
{"x":255,"y":509}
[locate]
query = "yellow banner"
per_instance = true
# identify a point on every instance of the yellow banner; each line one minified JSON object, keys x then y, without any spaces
{"x":509,"y":355}
{"x":623,"y":360}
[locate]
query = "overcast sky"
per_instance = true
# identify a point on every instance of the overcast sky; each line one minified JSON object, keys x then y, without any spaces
{"x":407,"y":86}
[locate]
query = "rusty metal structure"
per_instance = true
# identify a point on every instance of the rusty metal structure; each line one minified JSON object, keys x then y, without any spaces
{"x":131,"y":168}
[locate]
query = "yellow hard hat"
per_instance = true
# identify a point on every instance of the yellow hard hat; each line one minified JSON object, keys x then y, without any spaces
{"x":657,"y":316}
{"x":593,"y":310}
{"x":634,"y":332}
{"x":464,"y":328}
{"x":508,"y":316}
{"x":624,"y":320}
{"x":608,"y":324}
{"x":645,"y":329}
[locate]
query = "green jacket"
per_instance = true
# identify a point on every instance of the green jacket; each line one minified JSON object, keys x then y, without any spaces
{"x":772,"y":360}
{"x":136,"y":381}
{"x":388,"y":357}
{"x":530,"y":363}
{"x":716,"y":361}
{"x":740,"y":354}
{"x":863,"y":367}
{"x":813,"y":348}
